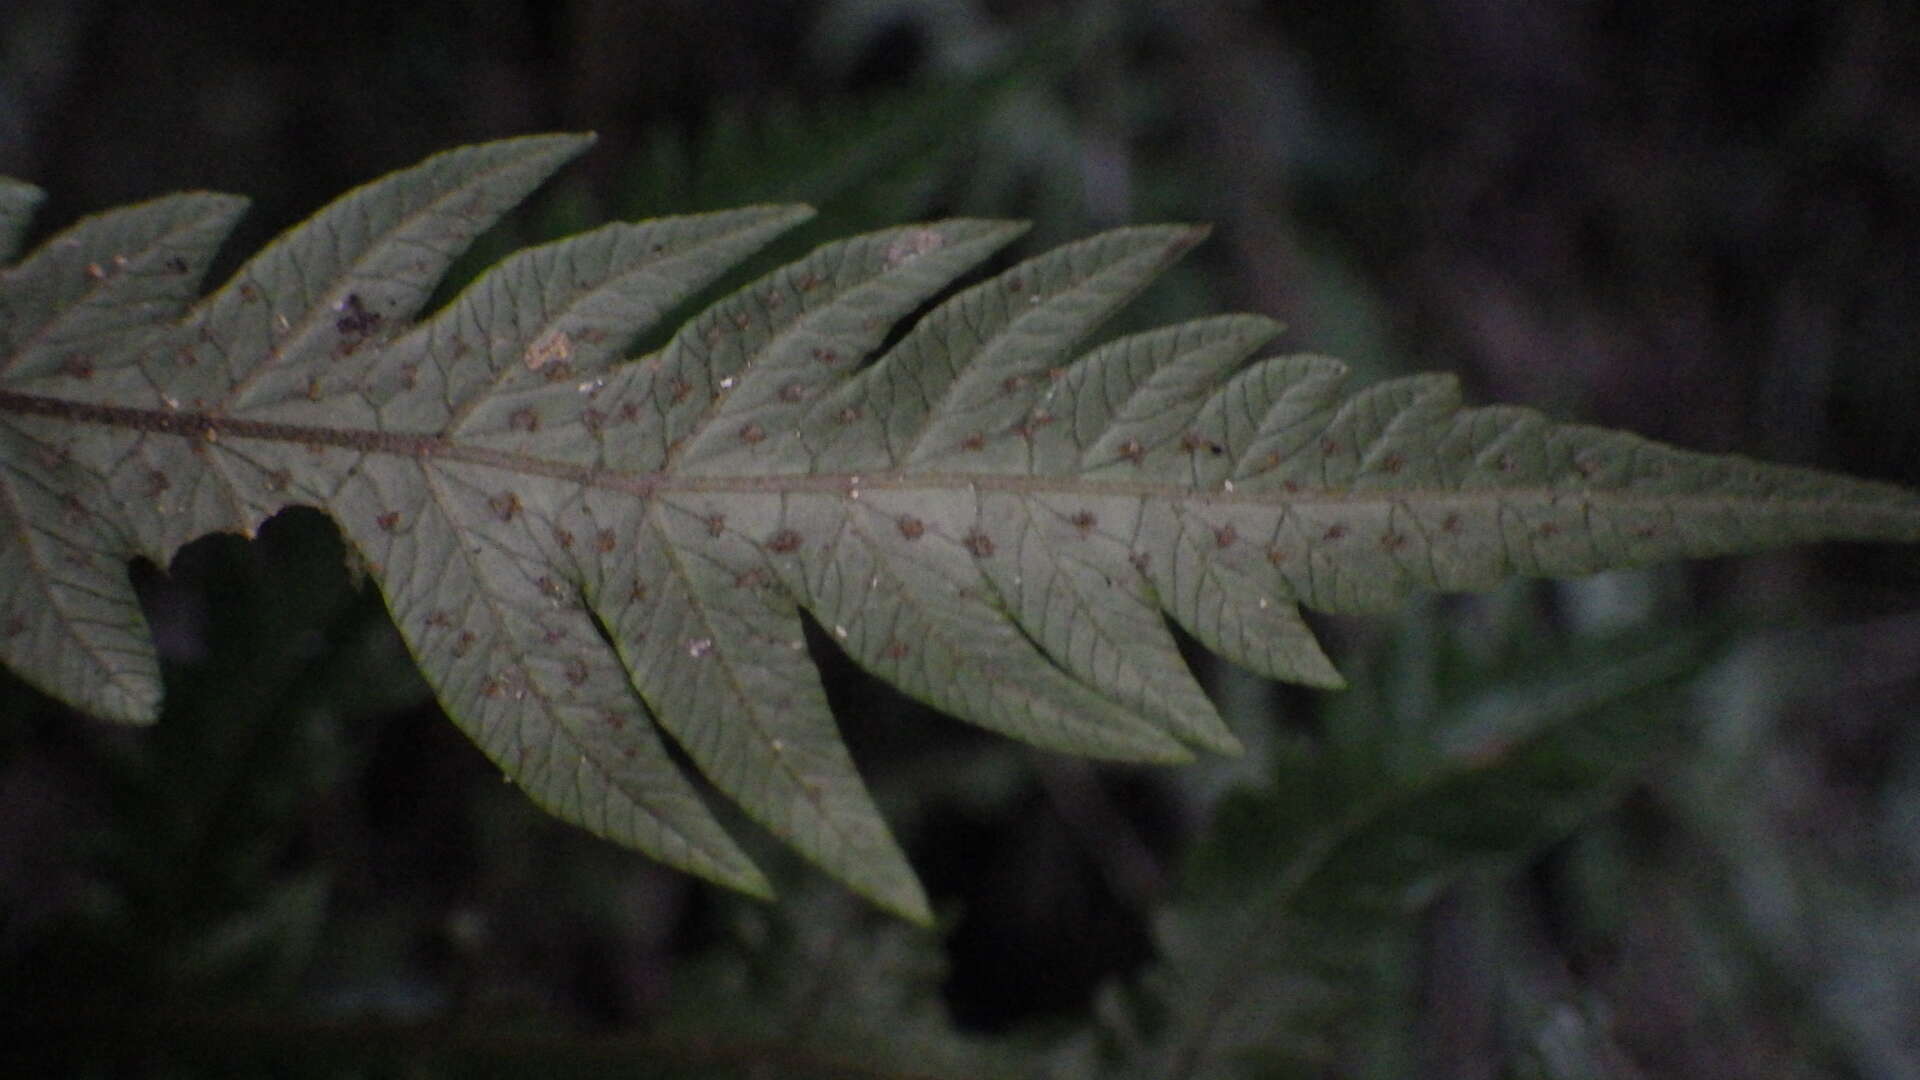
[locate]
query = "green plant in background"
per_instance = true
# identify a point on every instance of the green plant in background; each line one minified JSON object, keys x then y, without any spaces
{"x":1154,"y":473}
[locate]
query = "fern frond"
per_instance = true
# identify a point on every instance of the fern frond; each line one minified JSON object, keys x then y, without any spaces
{"x":1306,"y":891}
{"x":583,"y":552}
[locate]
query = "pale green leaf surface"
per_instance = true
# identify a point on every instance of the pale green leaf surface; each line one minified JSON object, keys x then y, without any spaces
{"x":584,"y":552}
{"x":73,"y":306}
{"x":71,"y":310}
{"x":69,"y":620}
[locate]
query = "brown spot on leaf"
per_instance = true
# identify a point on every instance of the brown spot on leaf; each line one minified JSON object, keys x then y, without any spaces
{"x":784,"y":542}
{"x":524,"y":419}
{"x":1141,"y":560}
{"x":895,"y":650}
{"x":678,"y":390}
{"x":807,"y":282}
{"x":716,"y":524}
{"x":77,"y":366}
{"x":753,"y":434}
{"x":847,"y":415}
{"x":910,"y":246}
{"x":912,"y":527}
{"x":548,"y":587}
{"x":278,"y":479}
{"x":613,"y":720}
{"x":826,"y":356}
{"x":1450,"y":525}
{"x":793,"y":393}
{"x":1394,"y":463}
{"x":974,"y":442}
{"x":1012,"y":384}
{"x":563,"y":538}
{"x":1548,"y":530}
{"x":1084,"y":521}
{"x":1335,"y":531}
{"x":1225,"y":536}
{"x":505,"y":505}
{"x":1393,"y":541}
{"x":577,"y":672}
{"x":637,"y":592}
{"x":551,"y":349}
{"x":979,"y":544}
{"x":157,"y":482}
{"x":388,"y":521}
{"x":1329,"y":447}
{"x":463,"y":644}
{"x":1133,"y":451}
{"x":750,"y":579}
{"x":741,"y":320}
{"x":1276,"y":555}
{"x":438,"y":620}
{"x":605,"y":541}
{"x":593,"y":420}
{"x":177,"y":265}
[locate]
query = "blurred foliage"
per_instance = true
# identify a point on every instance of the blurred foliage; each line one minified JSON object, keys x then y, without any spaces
{"x":1646,"y":825}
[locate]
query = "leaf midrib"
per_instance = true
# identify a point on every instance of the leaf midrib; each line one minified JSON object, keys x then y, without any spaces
{"x":212,"y":427}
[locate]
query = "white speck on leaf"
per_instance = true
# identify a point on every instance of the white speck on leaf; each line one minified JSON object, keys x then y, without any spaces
{"x":727,"y":383}
{"x":840,"y":632}
{"x":699,"y":647}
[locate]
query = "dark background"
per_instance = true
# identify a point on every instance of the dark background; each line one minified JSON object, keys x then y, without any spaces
{"x":1699,"y":221}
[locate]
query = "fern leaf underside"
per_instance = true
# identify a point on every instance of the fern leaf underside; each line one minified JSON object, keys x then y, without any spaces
{"x":584,"y":551}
